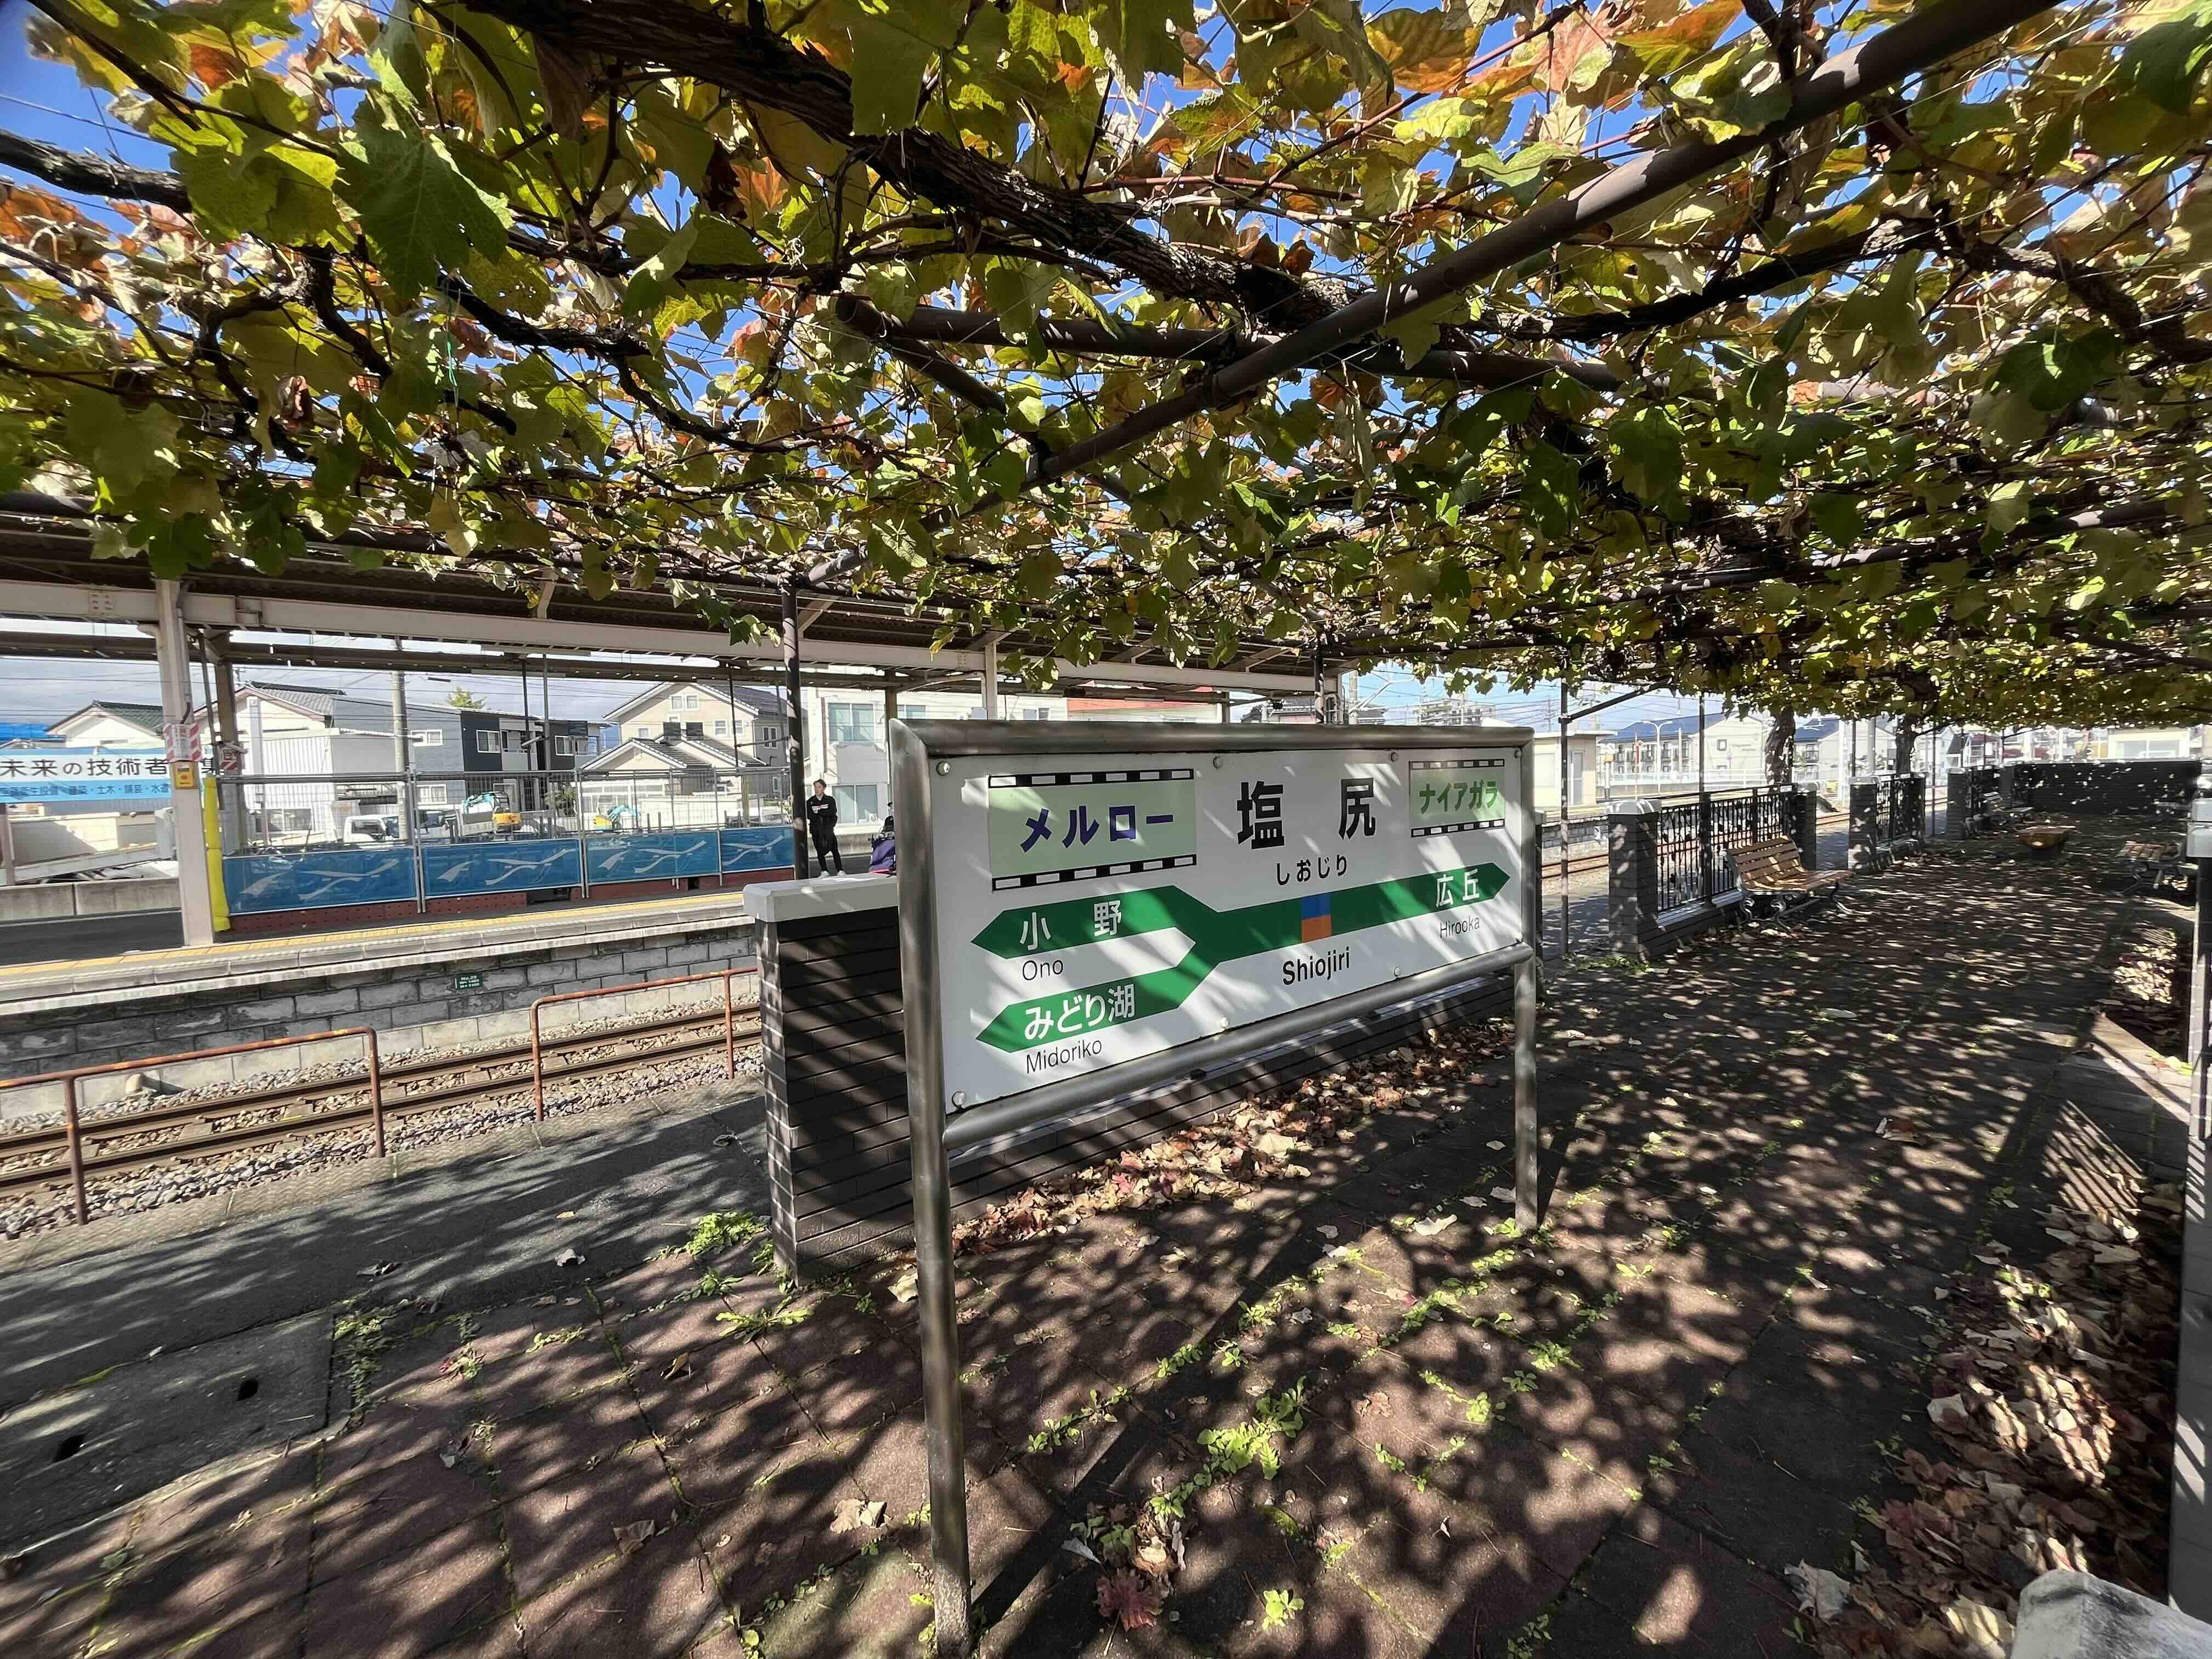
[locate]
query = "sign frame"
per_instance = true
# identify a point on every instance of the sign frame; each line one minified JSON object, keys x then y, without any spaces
{"x":919,"y":755}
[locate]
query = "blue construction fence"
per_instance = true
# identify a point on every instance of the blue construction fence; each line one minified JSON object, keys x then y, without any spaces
{"x":341,"y":876}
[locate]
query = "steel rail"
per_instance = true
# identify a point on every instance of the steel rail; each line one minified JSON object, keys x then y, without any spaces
{"x":312,"y":1123}
{"x":25,"y":1142}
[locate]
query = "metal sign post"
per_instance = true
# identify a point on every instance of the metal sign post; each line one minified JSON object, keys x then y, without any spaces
{"x":2198,"y":847}
{"x":1126,"y":907}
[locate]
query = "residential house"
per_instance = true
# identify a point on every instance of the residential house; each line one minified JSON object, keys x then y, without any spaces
{"x":847,"y":742}
{"x":2151,"y":743}
{"x":1585,"y":771}
{"x":1663,"y":756}
{"x":683,"y":779}
{"x":109,"y":725}
{"x":742,"y":717}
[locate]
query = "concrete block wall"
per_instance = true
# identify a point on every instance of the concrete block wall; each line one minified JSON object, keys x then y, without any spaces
{"x":416,"y":1007}
{"x":56,"y":901}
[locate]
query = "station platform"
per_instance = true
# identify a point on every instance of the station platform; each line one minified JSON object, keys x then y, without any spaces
{"x":436,"y":983}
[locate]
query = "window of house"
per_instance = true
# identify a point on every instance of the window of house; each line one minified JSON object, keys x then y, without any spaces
{"x":721,"y":728}
{"x":513,"y":742}
{"x":854,"y":800}
{"x":427,"y":739}
{"x":770,"y":732}
{"x":487,"y":743}
{"x":432,"y":794}
{"x":852,"y":722}
{"x":684,"y":701}
{"x":567,"y":745}
{"x":914,"y":711}
{"x":1036,"y":715}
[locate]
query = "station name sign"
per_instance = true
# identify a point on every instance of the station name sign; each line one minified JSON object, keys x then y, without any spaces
{"x":1095,"y":907}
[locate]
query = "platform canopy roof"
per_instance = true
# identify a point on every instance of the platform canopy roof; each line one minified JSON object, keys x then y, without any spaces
{"x":1847,"y":355}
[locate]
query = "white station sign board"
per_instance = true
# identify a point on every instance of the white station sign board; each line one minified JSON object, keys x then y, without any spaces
{"x":1093,"y":908}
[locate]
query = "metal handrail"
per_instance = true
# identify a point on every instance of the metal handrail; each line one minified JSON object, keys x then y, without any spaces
{"x":728,"y":975}
{"x":69,"y":1079}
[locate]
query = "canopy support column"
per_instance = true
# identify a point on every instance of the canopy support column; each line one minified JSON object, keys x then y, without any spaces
{"x":991,"y":676}
{"x":187,"y":822}
{"x":796,"y":723}
{"x":230,"y":799}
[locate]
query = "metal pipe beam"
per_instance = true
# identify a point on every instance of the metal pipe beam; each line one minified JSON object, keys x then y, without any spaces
{"x":69,"y":602}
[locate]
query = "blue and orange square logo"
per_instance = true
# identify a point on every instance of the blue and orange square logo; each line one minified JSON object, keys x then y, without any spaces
{"x":1314,"y":920}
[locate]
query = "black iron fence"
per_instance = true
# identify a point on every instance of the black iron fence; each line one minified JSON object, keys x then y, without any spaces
{"x":1680,"y":852}
{"x":1694,"y":840}
{"x":1673,"y":861}
{"x":1889,"y":815}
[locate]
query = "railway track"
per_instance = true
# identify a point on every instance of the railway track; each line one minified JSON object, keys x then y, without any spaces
{"x":37,"y":1158}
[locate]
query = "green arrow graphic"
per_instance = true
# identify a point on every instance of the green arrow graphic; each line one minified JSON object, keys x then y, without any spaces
{"x":1217,"y":937}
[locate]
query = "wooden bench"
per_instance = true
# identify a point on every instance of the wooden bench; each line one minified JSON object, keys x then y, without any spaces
{"x":1771,"y":872}
{"x":2149,"y":864}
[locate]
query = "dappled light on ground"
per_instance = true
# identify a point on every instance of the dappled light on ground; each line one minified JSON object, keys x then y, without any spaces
{"x":1322,"y":1398}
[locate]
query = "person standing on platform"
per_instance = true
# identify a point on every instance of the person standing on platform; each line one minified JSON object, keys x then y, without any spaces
{"x":821,"y":826}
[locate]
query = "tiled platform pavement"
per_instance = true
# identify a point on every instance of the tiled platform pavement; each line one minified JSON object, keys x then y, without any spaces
{"x":1363,"y":1392}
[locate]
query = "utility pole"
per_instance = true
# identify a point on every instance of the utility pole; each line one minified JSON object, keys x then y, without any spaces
{"x":403,"y":749}
{"x":1701,"y":743}
{"x":795,"y":724}
{"x":1566,"y":914}
{"x":2199,"y":848}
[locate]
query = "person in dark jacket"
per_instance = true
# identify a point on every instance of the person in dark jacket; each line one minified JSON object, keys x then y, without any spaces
{"x":883,"y":852}
{"x":821,"y":827}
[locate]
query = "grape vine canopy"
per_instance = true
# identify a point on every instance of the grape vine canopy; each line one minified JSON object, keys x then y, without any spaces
{"x":1843,"y":356}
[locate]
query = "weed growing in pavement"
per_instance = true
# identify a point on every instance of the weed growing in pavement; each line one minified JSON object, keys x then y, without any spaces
{"x":358,"y":1341}
{"x":1237,"y":1447}
{"x":785,"y":1314}
{"x":1279,"y":1607}
{"x":1186,"y":1355}
{"x":1533,"y":1640}
{"x":1066,"y":1429}
{"x":721,"y":1229}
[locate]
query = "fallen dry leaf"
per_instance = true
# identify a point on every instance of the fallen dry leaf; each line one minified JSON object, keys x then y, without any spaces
{"x":1820,"y":1592}
{"x":679,"y":1366}
{"x":570,"y":1257}
{"x":377,"y":1269}
{"x":1949,"y":1412}
{"x":630,"y":1539}
{"x":907,"y":1286}
{"x":1128,"y":1600}
{"x":856,"y":1514}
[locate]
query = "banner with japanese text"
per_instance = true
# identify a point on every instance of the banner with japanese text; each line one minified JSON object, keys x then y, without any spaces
{"x":62,"y":776}
{"x":1095,"y":909}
